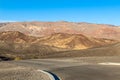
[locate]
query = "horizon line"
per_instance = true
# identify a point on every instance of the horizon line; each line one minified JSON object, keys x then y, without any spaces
{"x":10,"y":21}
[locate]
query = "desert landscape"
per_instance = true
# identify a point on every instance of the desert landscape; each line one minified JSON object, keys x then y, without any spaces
{"x":28,"y":40}
{"x":59,"y":51}
{"x":59,"y":39}
{"x":82,"y":68}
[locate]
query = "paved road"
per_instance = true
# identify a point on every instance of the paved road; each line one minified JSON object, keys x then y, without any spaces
{"x":76,"y":68}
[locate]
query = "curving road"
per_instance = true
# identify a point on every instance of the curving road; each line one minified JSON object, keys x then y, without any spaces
{"x":89,"y":68}
{"x":51,"y":75}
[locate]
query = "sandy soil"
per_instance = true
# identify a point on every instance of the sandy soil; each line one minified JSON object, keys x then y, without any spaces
{"x":10,"y":71}
{"x":84,"y":68}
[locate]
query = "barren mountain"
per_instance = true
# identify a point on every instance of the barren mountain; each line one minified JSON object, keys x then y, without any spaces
{"x":16,"y":44}
{"x":47,"y":28}
{"x":74,"y":41}
{"x":60,"y":40}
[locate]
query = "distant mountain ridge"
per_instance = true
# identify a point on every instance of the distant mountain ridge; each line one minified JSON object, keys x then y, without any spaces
{"x":41,"y":29}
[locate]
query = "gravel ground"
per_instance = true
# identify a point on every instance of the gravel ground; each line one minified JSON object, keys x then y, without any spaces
{"x":14,"y":72}
{"x":83,"y":68}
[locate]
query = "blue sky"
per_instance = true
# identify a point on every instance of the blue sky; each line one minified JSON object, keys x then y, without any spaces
{"x":93,"y":11}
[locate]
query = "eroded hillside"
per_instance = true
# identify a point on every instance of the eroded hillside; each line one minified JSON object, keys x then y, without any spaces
{"x":14,"y":44}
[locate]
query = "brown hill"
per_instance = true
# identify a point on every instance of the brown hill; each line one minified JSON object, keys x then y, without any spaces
{"x":26,"y":51}
{"x":48,"y":28}
{"x":109,"y":50}
{"x":60,"y":40}
{"x":74,"y":41}
{"x":16,"y":44}
{"x":16,"y":37}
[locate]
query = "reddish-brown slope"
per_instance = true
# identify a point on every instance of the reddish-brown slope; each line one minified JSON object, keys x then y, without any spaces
{"x":15,"y":36}
{"x":16,"y":44}
{"x":48,"y":28}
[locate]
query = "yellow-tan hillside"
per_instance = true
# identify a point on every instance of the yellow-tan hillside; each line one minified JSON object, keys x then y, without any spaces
{"x":74,"y":41}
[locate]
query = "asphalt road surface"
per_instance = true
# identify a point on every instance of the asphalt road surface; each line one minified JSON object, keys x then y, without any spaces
{"x":84,"y":68}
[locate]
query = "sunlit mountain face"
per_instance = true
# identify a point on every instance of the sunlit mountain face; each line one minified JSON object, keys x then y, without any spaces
{"x":16,"y":44}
